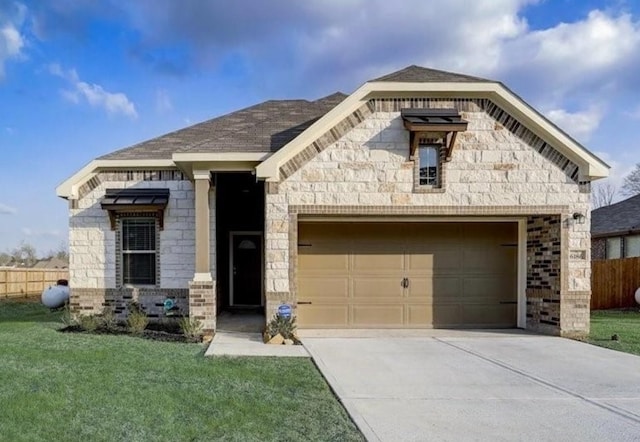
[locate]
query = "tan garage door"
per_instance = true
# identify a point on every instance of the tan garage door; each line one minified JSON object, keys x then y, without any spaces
{"x":366,"y":275}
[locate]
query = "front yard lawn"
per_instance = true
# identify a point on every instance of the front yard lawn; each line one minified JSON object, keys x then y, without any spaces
{"x":624,"y":323}
{"x":77,"y":387}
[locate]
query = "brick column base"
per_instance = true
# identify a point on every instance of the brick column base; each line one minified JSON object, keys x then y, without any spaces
{"x":202,"y":304}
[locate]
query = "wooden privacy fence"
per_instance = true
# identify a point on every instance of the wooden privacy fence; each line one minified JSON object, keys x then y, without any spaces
{"x":614,"y":283}
{"x":20,"y":283}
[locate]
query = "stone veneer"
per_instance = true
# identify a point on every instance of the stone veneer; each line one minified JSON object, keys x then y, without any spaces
{"x":93,"y":249}
{"x":498,"y":168}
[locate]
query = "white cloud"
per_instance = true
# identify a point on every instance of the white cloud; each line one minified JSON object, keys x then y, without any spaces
{"x":11,"y":40}
{"x":7,"y":210}
{"x":163,"y":101}
{"x":618,"y":171}
{"x":579,"y":124}
{"x":94,"y":94}
{"x":26,"y":231}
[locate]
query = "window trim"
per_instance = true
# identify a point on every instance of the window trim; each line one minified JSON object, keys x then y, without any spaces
{"x":439,"y":187}
{"x":120,"y":252}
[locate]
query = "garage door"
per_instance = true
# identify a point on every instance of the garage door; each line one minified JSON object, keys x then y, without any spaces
{"x":407,"y":275}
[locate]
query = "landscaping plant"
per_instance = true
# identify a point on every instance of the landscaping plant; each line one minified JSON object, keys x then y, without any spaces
{"x":108,"y":320}
{"x":283,"y":325}
{"x":88,"y":323}
{"x":137,"y":320}
{"x":191,"y":327}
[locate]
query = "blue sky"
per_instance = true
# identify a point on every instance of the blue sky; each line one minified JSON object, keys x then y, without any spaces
{"x":80,"y":78}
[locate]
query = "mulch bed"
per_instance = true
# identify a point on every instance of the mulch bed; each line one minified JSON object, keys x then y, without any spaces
{"x":156,"y":332}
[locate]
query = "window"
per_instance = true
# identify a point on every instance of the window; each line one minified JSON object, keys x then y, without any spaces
{"x":613,"y":248}
{"x":632,"y":246}
{"x":429,"y":165}
{"x":138,"y":247}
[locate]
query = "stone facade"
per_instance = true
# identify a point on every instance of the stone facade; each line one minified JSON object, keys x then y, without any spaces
{"x":93,"y":246}
{"x":496,"y":164}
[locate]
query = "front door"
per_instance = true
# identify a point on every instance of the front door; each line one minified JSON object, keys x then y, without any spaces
{"x":246,"y":269}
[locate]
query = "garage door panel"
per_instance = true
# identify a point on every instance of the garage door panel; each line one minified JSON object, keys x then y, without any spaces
{"x":323,"y":262}
{"x":378,"y":260}
{"x":323,"y":315}
{"x":482,"y":260}
{"x":446,"y":315}
{"x":323,"y":287}
{"x":486,"y":314}
{"x":377,"y":287}
{"x":368,"y":315}
{"x":441,"y":287}
{"x":458,"y":274}
{"x":419,"y":315}
{"x":488,"y":288}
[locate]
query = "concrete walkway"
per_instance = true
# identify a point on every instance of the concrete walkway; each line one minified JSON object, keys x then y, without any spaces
{"x":464,"y":386}
{"x":250,"y":344}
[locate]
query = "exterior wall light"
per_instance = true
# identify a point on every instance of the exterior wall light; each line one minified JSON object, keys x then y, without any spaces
{"x":579,"y":218}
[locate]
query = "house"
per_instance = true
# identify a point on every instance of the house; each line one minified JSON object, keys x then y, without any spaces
{"x":51,"y":263}
{"x":615,"y":230}
{"x":423,"y":199}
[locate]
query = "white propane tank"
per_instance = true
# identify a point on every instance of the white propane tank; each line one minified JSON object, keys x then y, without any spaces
{"x":55,"y":296}
{"x":638,"y":295}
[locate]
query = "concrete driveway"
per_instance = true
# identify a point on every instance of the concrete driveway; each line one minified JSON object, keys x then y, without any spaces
{"x":502,"y":386}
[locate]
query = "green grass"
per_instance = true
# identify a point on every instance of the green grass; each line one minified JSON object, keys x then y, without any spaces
{"x":80,"y":387}
{"x":624,"y":323}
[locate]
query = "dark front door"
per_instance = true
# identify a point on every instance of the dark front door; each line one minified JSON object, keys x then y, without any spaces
{"x":246,"y":269}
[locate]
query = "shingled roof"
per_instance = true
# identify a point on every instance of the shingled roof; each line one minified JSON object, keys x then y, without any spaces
{"x":622,"y":217}
{"x":265,"y":127}
{"x":418,"y":74}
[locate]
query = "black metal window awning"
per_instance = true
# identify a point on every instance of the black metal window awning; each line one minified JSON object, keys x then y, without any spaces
{"x":433,"y":123}
{"x":135,"y":200}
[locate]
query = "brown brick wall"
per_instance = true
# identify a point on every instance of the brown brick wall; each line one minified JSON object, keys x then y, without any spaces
{"x":599,"y":248}
{"x":95,"y":301}
{"x":544,"y":268}
{"x":202,"y":303}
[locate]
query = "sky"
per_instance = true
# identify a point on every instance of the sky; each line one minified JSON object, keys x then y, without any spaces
{"x":81,"y":78}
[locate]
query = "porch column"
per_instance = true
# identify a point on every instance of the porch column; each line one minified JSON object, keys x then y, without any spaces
{"x":203,"y":241}
{"x":202,"y":290}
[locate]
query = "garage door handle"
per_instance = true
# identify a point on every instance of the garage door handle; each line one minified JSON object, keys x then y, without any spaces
{"x":304,"y":302}
{"x":508,"y":302}
{"x":404,"y":283}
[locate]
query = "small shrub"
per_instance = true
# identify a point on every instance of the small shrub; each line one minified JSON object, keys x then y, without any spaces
{"x":137,"y":320}
{"x":283,"y":325}
{"x":108,"y":320}
{"x":68,"y":318}
{"x":88,"y":322}
{"x":191,"y":327}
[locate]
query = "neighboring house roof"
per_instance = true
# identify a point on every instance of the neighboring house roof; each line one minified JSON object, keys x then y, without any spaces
{"x":618,"y":218}
{"x":51,"y":263}
{"x":418,"y":74}
{"x":265,"y":127}
{"x":263,"y":137}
